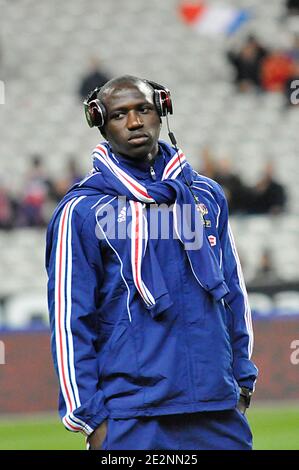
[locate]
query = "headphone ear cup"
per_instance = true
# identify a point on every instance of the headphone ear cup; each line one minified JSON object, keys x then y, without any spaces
{"x":163,"y":102}
{"x":89,"y":114}
{"x":95,"y":113}
{"x":168,"y":102}
{"x":158,"y":103}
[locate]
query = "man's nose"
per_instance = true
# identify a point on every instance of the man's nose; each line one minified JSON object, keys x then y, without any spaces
{"x":134,"y":120}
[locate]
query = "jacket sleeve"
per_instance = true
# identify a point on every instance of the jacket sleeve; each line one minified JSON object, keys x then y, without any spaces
{"x":74,"y":268}
{"x":237,"y":304}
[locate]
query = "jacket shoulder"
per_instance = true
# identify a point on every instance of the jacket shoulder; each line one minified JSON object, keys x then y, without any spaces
{"x":76,"y":211}
{"x":210,"y":185}
{"x":79,"y":209}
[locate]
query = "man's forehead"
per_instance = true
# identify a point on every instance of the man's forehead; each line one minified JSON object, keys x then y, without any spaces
{"x":128,"y":91}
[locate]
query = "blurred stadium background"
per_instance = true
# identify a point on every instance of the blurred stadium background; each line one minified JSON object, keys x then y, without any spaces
{"x":243,"y":132}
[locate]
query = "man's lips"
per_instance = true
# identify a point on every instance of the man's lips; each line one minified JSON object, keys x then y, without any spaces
{"x":138,"y":139}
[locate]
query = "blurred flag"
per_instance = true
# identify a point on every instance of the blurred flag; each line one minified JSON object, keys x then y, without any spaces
{"x":213,"y":19}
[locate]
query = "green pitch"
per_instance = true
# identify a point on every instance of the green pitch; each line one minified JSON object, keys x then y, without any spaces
{"x":273,"y":428}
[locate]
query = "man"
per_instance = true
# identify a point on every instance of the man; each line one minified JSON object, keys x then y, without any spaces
{"x":95,"y":76}
{"x":151,"y":333}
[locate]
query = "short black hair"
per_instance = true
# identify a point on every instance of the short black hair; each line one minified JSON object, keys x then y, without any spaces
{"x":122,"y":80}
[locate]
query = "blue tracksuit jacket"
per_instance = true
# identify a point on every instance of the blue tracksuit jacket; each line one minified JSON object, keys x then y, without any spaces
{"x":111,"y":356}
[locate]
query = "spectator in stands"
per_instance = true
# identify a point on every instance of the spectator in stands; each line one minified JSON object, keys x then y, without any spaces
{"x":71,"y":176}
{"x":238,"y":195}
{"x":247,"y":64}
{"x":292,"y":7}
{"x":206,"y":163}
{"x":34,"y":196}
{"x":293,"y":52}
{"x":276,"y":70}
{"x":6,"y":208}
{"x":95,"y":77}
{"x":75,"y":174}
{"x":266,"y":272}
{"x":269,"y":195}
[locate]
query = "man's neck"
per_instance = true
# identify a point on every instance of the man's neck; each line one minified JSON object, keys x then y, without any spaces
{"x":145,"y":162}
{"x":147,"y":159}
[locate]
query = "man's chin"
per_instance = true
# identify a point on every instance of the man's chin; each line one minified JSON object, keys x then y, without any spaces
{"x":138,"y":152}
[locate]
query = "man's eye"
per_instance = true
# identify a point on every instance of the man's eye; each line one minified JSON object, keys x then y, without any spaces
{"x":145,"y":110}
{"x":117,"y":115}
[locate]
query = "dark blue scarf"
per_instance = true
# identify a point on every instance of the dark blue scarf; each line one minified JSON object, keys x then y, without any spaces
{"x":111,"y":177}
{"x":171,"y":190}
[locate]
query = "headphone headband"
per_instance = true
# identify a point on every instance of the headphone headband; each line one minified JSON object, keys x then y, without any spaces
{"x":96,"y":113}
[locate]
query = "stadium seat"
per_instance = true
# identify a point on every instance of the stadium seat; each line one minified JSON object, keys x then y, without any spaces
{"x":25,"y":310}
{"x":260,"y":303}
{"x":287,"y":302}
